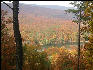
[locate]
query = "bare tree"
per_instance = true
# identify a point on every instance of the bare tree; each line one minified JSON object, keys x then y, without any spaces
{"x":78,"y":67}
{"x":17,"y":35}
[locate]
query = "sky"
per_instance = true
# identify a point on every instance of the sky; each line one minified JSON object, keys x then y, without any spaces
{"x":60,"y":3}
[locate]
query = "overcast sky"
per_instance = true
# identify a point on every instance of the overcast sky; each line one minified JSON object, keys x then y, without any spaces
{"x":60,"y":3}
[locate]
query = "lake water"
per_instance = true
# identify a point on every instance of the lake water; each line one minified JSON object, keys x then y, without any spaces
{"x":65,"y":44}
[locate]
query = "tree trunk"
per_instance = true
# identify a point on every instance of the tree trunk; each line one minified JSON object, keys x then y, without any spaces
{"x":17,"y":35}
{"x":79,"y":41}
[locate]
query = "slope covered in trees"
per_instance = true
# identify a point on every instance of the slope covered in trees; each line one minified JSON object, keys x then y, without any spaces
{"x":38,"y":23}
{"x":41,"y":30}
{"x":27,"y":9}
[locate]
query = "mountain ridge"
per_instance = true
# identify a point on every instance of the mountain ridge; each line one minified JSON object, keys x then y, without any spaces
{"x":40,"y":10}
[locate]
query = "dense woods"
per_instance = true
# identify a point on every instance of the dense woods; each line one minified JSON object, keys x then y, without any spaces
{"x":49,"y":44}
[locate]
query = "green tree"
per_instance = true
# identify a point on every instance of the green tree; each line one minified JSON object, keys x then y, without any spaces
{"x":35,"y":58}
{"x":87,"y":29}
{"x":84,"y":19}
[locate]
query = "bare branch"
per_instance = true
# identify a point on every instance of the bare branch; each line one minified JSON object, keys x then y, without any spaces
{"x":8,"y":5}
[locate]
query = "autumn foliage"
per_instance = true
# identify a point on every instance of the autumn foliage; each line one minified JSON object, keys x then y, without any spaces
{"x":38,"y":35}
{"x":7,"y":44}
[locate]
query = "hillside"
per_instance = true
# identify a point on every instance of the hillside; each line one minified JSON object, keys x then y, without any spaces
{"x":44,"y":37}
{"x":44,"y":10}
{"x":56,"y":7}
{"x":42,"y":24}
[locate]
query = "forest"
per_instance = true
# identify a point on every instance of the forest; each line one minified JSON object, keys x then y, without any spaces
{"x":34,"y":40}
